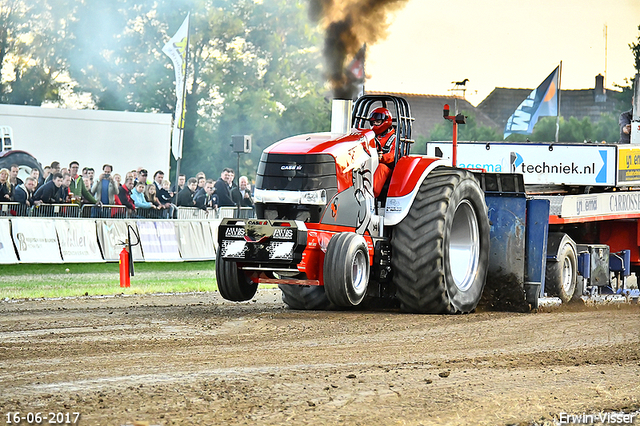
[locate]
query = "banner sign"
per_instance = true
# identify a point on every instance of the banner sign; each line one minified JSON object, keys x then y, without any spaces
{"x":112,"y":235}
{"x":603,"y":204}
{"x":78,"y":240}
{"x":36,"y":240}
{"x":7,"y":252}
{"x":159,"y":242}
{"x":541,"y":164}
{"x":629,"y":164}
{"x":195,"y":240}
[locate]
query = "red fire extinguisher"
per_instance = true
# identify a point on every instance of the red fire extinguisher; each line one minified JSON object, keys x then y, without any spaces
{"x":124,"y":267}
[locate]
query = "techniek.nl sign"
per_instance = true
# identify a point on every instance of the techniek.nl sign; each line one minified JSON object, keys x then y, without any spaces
{"x":563,"y":164}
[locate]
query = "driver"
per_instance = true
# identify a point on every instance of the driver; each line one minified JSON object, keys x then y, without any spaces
{"x":381,"y":120}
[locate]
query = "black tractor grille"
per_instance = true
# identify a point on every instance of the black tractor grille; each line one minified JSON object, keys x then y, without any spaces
{"x":308,"y":172}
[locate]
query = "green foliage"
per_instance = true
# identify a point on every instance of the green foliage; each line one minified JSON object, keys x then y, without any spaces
{"x":635,"y":48}
{"x":471,"y":131}
{"x":573,"y":130}
{"x":254,"y":67}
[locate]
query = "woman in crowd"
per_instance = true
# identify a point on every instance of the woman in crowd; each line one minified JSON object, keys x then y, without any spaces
{"x":5,"y":186}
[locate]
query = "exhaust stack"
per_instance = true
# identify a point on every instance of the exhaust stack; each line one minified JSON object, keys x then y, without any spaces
{"x":341,"y":116}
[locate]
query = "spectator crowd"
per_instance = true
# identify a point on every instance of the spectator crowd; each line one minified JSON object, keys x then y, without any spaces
{"x":140,"y":195}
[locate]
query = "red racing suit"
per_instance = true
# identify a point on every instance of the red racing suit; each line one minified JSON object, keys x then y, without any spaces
{"x":386,"y":145}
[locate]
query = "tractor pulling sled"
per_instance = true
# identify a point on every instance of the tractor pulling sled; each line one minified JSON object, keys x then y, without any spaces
{"x":437,"y":233}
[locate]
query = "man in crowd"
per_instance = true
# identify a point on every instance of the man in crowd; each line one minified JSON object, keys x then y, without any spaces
{"x":24,"y":192}
{"x":180,"y":186}
{"x":46,"y":171}
{"x":48,"y":193}
{"x":185,"y":197}
{"x":206,"y":197}
{"x":125,"y":194}
{"x":242,"y":195}
{"x":77,"y":188}
{"x":35,"y":173}
{"x":14,"y":180}
{"x":53,"y":169}
{"x":64,"y":194}
{"x":105,"y":189}
{"x":141,"y":176}
{"x":223,"y":189}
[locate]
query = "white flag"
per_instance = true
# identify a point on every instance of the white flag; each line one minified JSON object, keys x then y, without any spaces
{"x":176,"y":49}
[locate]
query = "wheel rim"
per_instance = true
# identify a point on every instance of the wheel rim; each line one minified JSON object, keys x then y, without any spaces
{"x":359,"y":273}
{"x":464,"y":246}
{"x":567,"y":275}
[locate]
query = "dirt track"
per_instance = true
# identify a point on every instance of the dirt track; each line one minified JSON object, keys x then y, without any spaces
{"x":196,"y":359}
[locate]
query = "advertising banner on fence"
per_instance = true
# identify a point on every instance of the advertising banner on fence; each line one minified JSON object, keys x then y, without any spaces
{"x":36,"y":240}
{"x":159,"y":242}
{"x":78,"y":240}
{"x":112,"y":235}
{"x":194,"y":239}
{"x":7,"y":252}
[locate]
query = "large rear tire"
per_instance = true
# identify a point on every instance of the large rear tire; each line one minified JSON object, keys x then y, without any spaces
{"x":346,"y":269}
{"x":305,"y":297}
{"x":441,"y":248}
{"x":233,"y":283}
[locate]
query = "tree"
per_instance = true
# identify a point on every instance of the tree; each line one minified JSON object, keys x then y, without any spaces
{"x":32,"y":45}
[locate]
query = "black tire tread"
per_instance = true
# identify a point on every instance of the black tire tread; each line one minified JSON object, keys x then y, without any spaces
{"x":233,"y":284}
{"x":417,"y":243}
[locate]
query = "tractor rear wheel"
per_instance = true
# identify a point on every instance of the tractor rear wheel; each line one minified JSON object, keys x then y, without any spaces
{"x":346,"y":269}
{"x":233,"y":283}
{"x":305,"y":297}
{"x":441,"y":248}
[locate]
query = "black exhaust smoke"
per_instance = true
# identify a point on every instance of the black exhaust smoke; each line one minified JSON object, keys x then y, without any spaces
{"x":349,"y":24}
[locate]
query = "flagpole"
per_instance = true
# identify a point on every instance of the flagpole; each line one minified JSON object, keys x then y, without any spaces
{"x":183,"y":111}
{"x":558,"y":106}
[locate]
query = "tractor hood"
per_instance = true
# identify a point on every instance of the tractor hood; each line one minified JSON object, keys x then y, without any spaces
{"x":335,"y":144}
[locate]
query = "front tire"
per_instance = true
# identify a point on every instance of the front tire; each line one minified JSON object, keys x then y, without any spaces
{"x":346,"y":269}
{"x":233,"y":283}
{"x":441,"y":248}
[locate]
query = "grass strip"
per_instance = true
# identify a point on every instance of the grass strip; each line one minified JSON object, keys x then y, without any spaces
{"x":92,"y":279}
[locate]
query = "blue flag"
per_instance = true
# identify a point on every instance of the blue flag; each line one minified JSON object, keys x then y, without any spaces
{"x":542,"y":101}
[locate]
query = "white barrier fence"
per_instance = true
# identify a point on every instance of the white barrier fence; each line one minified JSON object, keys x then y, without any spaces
{"x":60,"y":240}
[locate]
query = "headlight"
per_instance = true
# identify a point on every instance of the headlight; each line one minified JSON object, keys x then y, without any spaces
{"x":257,"y":196}
{"x":314,"y":197}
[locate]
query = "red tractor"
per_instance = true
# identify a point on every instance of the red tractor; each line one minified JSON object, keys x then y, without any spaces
{"x":328,"y":243}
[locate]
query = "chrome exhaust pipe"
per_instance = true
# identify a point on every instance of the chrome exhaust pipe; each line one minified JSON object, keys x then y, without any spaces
{"x":341,"y":116}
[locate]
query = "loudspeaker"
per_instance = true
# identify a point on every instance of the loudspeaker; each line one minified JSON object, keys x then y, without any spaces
{"x":241,"y":143}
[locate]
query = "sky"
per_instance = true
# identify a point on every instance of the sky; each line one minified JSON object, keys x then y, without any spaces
{"x":503,"y":43}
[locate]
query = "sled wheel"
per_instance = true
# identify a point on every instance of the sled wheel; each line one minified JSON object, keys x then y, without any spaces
{"x":346,"y":269}
{"x":441,"y":248}
{"x":233,"y":283}
{"x":305,"y":297}
{"x":561,"y":276}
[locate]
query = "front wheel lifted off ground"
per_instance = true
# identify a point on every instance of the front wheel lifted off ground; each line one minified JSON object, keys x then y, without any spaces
{"x":233,"y":283}
{"x":441,"y":248}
